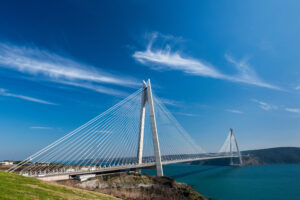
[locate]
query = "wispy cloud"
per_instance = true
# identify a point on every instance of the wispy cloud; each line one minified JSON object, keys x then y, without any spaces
{"x":268,"y":107}
{"x":246,"y":74}
{"x":3,"y":92}
{"x":41,"y":127}
{"x":170,"y":102}
{"x":52,"y":67}
{"x":234,"y":111}
{"x":187,"y":114}
{"x":93,"y":87}
{"x":166,"y":59}
{"x":264,"y":105}
{"x":293,"y":110}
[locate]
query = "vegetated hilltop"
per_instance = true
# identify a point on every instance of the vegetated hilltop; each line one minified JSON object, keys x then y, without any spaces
{"x":131,"y":185}
{"x":278,"y":155}
{"x":13,"y":186}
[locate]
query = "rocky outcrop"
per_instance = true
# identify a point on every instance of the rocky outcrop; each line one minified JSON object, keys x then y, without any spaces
{"x":130,"y":185}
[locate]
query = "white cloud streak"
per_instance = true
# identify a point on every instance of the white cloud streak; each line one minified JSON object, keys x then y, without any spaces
{"x":41,"y":127}
{"x":234,"y":111}
{"x":174,"y":61}
{"x":52,"y":67}
{"x":171,"y":102}
{"x":4,"y":92}
{"x":293,"y":110}
{"x":96,"y":88}
{"x":268,"y":107}
{"x":187,"y":114}
{"x":159,"y":59}
{"x":246,"y":74}
{"x":264,"y":105}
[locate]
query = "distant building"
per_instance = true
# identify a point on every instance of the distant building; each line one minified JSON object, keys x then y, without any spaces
{"x":42,"y":164}
{"x":6,"y":163}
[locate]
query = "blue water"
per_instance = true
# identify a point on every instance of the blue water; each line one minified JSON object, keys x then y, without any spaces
{"x":267,"y":182}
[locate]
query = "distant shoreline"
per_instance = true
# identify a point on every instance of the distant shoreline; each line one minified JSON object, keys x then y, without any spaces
{"x":276,"y":155}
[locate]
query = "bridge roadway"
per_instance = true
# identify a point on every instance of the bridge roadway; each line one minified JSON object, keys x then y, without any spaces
{"x":68,"y":175}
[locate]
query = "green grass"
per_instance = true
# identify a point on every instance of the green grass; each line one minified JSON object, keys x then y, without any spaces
{"x":13,"y":186}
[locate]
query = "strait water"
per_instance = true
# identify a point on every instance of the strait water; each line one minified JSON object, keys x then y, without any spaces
{"x":267,"y":182}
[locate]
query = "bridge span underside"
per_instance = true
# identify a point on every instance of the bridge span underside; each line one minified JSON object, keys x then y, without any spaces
{"x":138,"y":132}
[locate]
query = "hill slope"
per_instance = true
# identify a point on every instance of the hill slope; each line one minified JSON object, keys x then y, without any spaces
{"x":278,"y":155}
{"x":13,"y":186}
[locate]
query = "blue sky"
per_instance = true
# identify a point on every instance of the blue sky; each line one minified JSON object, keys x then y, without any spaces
{"x":214,"y":65}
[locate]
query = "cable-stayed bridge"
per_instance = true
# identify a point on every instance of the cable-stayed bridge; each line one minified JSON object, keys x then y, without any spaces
{"x":138,"y":132}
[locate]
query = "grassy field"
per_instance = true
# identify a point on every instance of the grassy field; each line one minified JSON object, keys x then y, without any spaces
{"x":13,"y":186}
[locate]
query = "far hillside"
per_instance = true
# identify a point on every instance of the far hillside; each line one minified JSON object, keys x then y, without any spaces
{"x":278,"y":155}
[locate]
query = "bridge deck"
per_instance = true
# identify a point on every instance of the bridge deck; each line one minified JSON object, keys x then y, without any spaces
{"x":64,"y":176}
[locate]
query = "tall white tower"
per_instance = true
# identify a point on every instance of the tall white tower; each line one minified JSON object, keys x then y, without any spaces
{"x":147,"y":97}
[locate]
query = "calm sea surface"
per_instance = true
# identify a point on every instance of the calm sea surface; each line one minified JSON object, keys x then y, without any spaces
{"x":267,"y":182}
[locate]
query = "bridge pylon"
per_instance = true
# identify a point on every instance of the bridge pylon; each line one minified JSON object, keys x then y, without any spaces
{"x":147,"y":97}
{"x":232,"y":136}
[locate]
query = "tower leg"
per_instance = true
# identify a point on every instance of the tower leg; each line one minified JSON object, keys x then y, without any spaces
{"x":159,"y":169}
{"x":142,"y":126}
{"x":238,"y":150}
{"x":231,"y":132}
